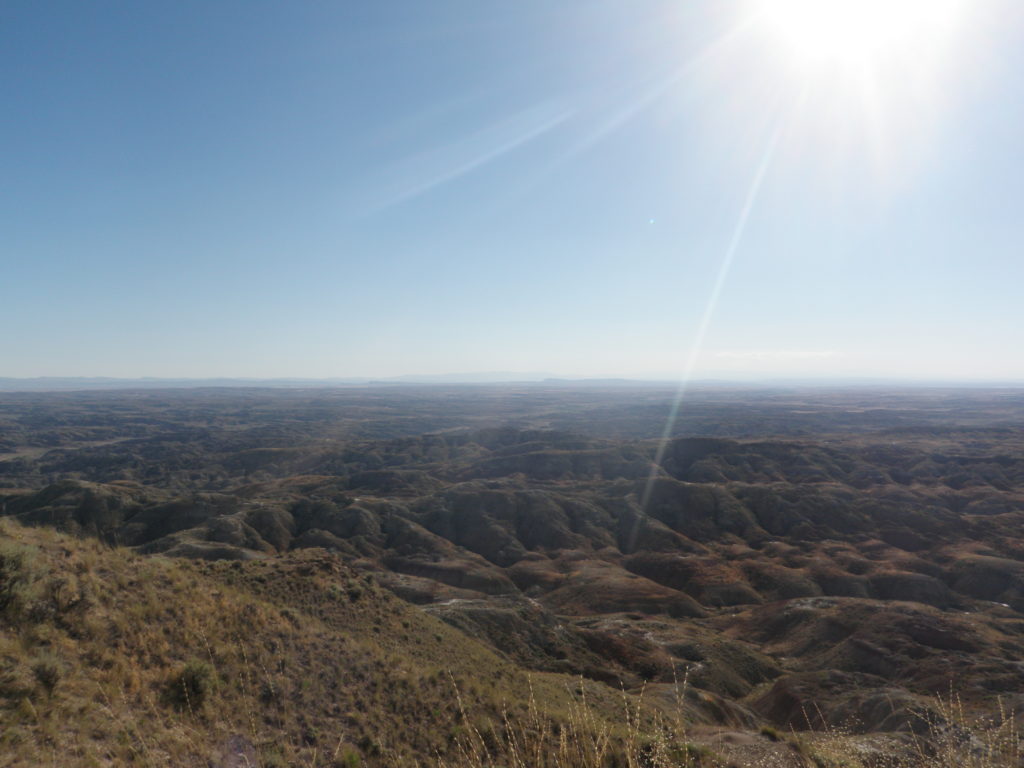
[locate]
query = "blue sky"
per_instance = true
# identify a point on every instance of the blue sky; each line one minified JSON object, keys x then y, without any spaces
{"x":332,"y":189}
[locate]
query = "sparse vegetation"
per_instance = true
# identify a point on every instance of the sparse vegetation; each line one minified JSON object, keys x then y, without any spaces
{"x":817,"y":593}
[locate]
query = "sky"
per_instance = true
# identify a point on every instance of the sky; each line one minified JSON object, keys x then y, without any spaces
{"x":579,"y":188}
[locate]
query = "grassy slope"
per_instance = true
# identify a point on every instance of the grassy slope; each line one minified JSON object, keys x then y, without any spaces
{"x":299,"y":660}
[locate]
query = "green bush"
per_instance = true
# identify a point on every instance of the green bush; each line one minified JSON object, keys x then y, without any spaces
{"x":189,"y":687}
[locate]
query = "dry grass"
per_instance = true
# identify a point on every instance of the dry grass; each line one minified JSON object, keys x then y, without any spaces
{"x":640,"y":737}
{"x":110,"y":659}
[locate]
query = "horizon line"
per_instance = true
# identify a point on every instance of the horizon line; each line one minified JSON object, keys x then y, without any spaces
{"x":480,"y":379}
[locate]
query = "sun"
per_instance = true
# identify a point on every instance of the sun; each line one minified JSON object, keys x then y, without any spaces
{"x":857,"y":80}
{"x":857,"y":32}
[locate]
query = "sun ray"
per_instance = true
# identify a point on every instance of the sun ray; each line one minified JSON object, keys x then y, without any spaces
{"x":712,"y":303}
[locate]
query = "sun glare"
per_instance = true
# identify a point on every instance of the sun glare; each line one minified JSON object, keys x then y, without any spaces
{"x":860,"y":79}
{"x":858,"y":31}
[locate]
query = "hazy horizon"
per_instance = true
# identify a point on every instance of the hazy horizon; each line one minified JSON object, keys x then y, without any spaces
{"x":744,"y":189}
{"x":499,"y":379}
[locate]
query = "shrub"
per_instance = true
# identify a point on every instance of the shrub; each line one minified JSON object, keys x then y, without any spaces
{"x":47,"y":672}
{"x":270,"y":694}
{"x":14,"y":579}
{"x":369,"y":745}
{"x":188,"y":688}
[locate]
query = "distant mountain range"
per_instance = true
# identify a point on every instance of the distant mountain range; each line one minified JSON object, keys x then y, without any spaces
{"x":104,"y":382}
{"x":77,"y":383}
{"x":69,"y":383}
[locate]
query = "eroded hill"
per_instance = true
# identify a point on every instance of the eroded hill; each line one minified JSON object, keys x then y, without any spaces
{"x":838,"y":567}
